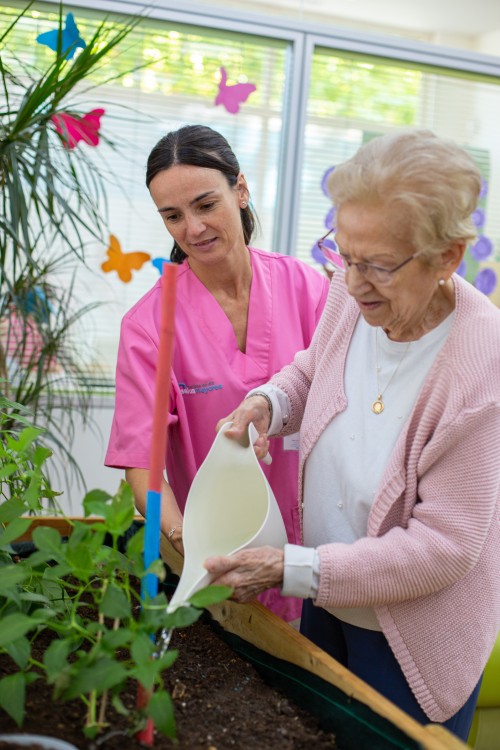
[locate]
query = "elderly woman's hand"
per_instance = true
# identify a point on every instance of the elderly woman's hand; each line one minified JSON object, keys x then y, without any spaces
{"x":253,"y":409}
{"x":249,"y":572}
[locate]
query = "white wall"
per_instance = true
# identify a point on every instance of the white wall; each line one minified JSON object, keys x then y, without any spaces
{"x":88,"y":448}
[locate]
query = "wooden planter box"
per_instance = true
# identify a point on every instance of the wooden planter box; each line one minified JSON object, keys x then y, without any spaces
{"x":360,"y":717}
{"x":363,"y":718}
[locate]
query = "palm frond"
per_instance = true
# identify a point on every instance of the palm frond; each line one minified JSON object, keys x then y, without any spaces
{"x":53,"y":201}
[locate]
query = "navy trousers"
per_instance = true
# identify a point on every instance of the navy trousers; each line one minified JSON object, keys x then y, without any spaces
{"x":368,"y":655}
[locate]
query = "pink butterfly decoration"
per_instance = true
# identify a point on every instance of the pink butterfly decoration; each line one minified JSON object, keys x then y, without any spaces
{"x":74,"y":129}
{"x":232,"y":96}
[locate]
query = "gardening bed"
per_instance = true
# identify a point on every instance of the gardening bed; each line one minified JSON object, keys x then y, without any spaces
{"x":221,"y":703}
{"x":245,"y":679}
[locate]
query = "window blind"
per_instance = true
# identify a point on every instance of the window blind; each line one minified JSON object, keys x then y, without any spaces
{"x":353,"y":97}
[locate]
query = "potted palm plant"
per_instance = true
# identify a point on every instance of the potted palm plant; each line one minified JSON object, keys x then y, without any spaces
{"x":52,"y":202}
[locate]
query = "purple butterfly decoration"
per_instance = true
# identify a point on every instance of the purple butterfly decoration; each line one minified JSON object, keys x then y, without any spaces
{"x":486,"y":280}
{"x":232,"y":96}
{"x":70,"y":38}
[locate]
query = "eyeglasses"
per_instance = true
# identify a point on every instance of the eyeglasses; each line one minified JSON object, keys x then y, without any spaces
{"x":331,"y":254}
{"x":375,"y":274}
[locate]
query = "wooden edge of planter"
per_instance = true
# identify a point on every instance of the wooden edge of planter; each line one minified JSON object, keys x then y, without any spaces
{"x":263,"y":629}
{"x":64,"y":525}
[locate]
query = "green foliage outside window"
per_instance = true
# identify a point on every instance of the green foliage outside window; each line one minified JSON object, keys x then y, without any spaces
{"x":363,"y":89}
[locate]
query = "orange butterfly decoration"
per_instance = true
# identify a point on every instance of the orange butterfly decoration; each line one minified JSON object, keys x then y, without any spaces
{"x":123,"y":263}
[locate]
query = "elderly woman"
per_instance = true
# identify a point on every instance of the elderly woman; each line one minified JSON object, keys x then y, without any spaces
{"x":241,"y":314}
{"x":398,"y":404}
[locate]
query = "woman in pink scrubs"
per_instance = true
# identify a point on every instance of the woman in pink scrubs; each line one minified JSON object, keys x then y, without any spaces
{"x":241,"y":314}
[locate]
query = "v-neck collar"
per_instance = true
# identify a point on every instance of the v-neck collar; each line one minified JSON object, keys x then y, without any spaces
{"x":254,"y":362}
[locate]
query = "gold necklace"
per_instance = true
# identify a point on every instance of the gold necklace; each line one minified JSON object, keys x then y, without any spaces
{"x":378,"y":404}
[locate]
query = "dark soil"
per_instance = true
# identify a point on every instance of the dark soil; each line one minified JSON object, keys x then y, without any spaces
{"x":221,"y":703}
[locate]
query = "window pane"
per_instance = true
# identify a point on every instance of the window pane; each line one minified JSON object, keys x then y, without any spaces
{"x":174,"y":79}
{"x":354,"y":97}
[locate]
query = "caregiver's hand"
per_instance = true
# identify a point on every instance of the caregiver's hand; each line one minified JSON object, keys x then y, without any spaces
{"x":248,"y":572}
{"x":253,"y":409}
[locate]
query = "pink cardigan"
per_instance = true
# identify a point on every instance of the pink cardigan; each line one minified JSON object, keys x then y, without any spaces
{"x":430,"y":563}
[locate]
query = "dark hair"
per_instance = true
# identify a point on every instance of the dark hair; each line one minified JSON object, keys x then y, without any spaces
{"x":198,"y":146}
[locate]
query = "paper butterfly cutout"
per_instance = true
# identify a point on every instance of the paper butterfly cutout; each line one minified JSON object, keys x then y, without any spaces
{"x":158,"y":264}
{"x":36,"y":304}
{"x":74,"y":129}
{"x":486,"y":280}
{"x":232,"y":96}
{"x":71,"y":38}
{"x":324,"y":181}
{"x":123,"y":263}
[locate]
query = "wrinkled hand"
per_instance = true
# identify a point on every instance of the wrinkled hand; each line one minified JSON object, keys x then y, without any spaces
{"x":248,"y":572}
{"x":254,"y":409}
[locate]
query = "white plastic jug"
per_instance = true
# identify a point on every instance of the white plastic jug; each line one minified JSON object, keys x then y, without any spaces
{"x":230,"y":506}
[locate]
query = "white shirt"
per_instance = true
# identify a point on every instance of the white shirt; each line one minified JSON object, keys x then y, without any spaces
{"x":347,"y":463}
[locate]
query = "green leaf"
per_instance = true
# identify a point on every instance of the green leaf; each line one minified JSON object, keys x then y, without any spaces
{"x":80,"y":559}
{"x":42,"y":615}
{"x":14,"y":530}
{"x":101,"y":675}
{"x":182,"y":617}
{"x":13,"y":575}
{"x":122,"y":510}
{"x":40,"y":455}
{"x":37,"y":558}
{"x":83,"y":533}
{"x":15,"y":626}
{"x":135,"y":544}
{"x":210,"y":595}
{"x":119,"y":706}
{"x":157,"y":568}
{"x":154,"y":613}
{"x":31,"y":496}
{"x":20,"y":651}
{"x":142,"y":648}
{"x":56,"y":572}
{"x":118,"y":511}
{"x":49,"y":540}
{"x":6,"y":471}
{"x":12,"y":696}
{"x":161,"y":710}
{"x":53,"y":589}
{"x":25,"y":439}
{"x":147,"y":667}
{"x":145,"y":674}
{"x":166,"y":661}
{"x":11,"y":509}
{"x":114,"y":639}
{"x":91,"y":731}
{"x":96,"y":503}
{"x":115,"y":604}
{"x":32,"y":596}
{"x":55,"y":658}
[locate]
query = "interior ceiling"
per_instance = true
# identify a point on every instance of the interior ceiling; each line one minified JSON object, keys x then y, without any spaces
{"x":461,"y":17}
{"x":441,"y":16}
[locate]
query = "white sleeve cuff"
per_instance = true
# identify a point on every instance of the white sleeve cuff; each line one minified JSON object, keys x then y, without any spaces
{"x":281,"y":406}
{"x":301,"y":572}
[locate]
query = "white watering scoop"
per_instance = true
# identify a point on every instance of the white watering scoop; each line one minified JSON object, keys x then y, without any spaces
{"x":230,"y":506}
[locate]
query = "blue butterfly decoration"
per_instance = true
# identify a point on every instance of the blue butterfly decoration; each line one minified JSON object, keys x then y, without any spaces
{"x":158,"y":264}
{"x":71,"y":38}
{"x":35,"y":303}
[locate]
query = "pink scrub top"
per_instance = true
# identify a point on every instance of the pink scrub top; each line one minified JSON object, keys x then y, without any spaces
{"x":210,"y":376}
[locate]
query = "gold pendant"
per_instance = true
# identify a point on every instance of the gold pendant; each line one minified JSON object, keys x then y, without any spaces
{"x":378,"y":406}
